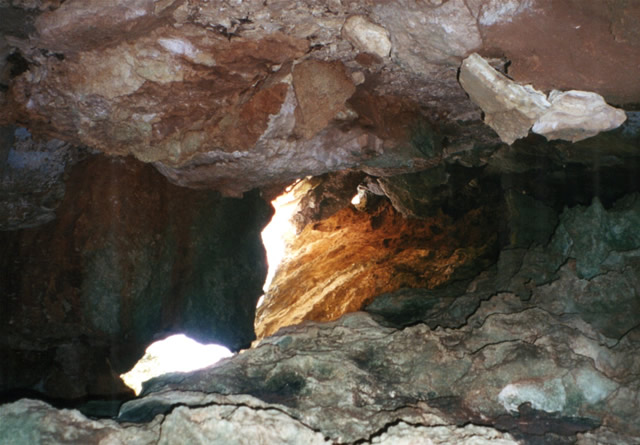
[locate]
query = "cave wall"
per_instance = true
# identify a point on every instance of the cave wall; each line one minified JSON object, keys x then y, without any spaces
{"x":338,"y":263}
{"x":129,"y":258}
{"x":516,"y":356}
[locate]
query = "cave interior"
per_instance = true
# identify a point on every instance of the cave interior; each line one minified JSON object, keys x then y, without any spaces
{"x":459,"y":181}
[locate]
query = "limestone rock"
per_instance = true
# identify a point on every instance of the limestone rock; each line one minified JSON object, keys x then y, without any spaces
{"x":510,"y":108}
{"x":577,"y":115}
{"x":474,"y":361}
{"x":94,"y":23}
{"x":367,"y":36}
{"x":589,"y":267}
{"x":216,"y":424}
{"x":324,"y":196}
{"x":423,"y":35}
{"x":446,"y":188}
{"x":509,"y":369}
{"x":441,"y":435}
{"x":524,"y":370}
{"x":204,"y":90}
{"x":321,"y":91}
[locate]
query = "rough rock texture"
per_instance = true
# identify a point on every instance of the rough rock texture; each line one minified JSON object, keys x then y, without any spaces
{"x":217,"y":94}
{"x":341,"y":260}
{"x":367,"y":36}
{"x":508,"y":273}
{"x":532,"y":361}
{"x":31,"y":178}
{"x":336,"y":265}
{"x":526,"y":371}
{"x":512,"y":109}
{"x":576,"y":115}
{"x":129,"y":258}
{"x":243,"y":421}
{"x":513,"y":356}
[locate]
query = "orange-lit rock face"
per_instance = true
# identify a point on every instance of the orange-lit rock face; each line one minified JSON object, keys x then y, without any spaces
{"x":336,"y":265}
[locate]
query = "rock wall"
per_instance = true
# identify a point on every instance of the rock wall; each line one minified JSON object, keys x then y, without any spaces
{"x":514,"y":357}
{"x":128,"y":259}
{"x":336,"y":265}
{"x":493,"y":260}
{"x":32,"y":177}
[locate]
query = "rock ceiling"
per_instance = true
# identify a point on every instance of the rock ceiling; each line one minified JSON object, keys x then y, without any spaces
{"x":495,"y":146}
{"x":234,"y":95}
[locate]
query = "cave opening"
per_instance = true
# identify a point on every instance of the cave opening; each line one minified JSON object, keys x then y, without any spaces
{"x":176,"y":353}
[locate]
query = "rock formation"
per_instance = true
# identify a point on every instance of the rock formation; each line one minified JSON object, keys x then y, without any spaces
{"x":129,"y":258}
{"x":495,"y":362}
{"x":484,"y":289}
{"x":512,"y":109}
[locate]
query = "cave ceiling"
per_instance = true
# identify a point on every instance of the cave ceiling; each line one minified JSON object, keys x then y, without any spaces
{"x":233,"y":95}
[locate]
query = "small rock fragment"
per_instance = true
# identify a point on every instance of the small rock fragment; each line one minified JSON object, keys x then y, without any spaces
{"x":358,"y":77}
{"x":576,"y":115}
{"x":367,"y":36}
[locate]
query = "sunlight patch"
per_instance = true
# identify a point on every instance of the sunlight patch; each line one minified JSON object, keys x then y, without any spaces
{"x":177,"y":353}
{"x":280,"y":230}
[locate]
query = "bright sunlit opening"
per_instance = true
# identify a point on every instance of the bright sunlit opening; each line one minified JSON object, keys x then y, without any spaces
{"x":279,"y":231}
{"x":177,"y":353}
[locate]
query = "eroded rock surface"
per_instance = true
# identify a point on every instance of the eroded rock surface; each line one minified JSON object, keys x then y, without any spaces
{"x":336,"y":265}
{"x":31,"y":177}
{"x":512,"y":109}
{"x":129,"y":257}
{"x":513,"y":356}
{"x":248,"y":94}
{"x":576,"y":115}
{"x":509,"y":295}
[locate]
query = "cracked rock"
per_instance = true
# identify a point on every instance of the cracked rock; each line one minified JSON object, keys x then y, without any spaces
{"x":367,"y":36}
{"x":577,"y":115}
{"x":512,"y":109}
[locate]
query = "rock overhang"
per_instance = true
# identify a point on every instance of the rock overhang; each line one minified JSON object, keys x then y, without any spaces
{"x":197,"y":89}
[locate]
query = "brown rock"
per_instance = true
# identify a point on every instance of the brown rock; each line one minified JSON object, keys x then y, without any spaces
{"x":129,"y":257}
{"x":165,"y":96}
{"x":322,"y":89}
{"x":87,"y":25}
{"x":567,"y":45}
